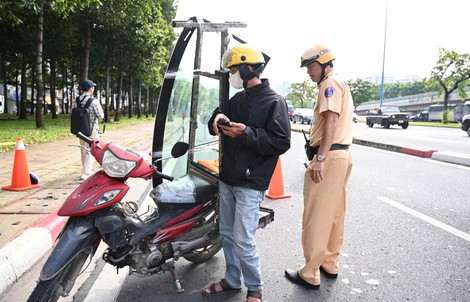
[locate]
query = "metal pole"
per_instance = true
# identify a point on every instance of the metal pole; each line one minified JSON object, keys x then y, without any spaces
{"x":383,"y":60}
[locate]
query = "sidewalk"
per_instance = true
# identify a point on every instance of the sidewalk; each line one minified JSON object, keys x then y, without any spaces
{"x":28,"y":221}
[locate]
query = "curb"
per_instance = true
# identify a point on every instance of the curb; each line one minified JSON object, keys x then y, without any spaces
{"x":378,"y":145}
{"x":452,"y":157}
{"x":19,"y":255}
{"x":418,"y":152}
{"x":444,"y":156}
{"x":54,"y":223}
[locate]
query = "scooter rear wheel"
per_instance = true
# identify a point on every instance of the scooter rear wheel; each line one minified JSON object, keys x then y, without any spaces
{"x":205,"y":253}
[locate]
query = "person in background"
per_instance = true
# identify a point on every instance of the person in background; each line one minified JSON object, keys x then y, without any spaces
{"x":96,"y":112}
{"x":256,"y":132}
{"x":327,"y":175}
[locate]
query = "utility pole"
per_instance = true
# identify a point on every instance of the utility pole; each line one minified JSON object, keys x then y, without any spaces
{"x":383,"y":60}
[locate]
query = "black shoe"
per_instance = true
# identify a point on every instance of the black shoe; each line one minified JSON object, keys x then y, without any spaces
{"x":328,"y":275}
{"x":294,"y":277}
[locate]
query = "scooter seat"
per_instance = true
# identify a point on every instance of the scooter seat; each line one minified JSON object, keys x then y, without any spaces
{"x":188,"y":189}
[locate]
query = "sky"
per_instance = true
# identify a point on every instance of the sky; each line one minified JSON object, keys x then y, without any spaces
{"x":353,"y":29}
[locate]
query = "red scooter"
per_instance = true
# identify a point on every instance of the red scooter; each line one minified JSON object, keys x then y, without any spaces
{"x":184,"y":222}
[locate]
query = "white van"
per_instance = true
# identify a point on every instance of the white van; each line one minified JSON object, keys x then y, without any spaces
{"x":2,"y":104}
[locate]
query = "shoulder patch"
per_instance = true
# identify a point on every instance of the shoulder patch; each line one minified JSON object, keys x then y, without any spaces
{"x":329,"y":92}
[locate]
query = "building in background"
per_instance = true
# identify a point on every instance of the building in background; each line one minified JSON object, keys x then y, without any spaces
{"x":377,"y":78}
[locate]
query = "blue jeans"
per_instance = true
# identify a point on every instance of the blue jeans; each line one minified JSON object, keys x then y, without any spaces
{"x":239,"y":217}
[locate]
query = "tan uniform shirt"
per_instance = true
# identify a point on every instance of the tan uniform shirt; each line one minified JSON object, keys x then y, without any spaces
{"x":333,"y":95}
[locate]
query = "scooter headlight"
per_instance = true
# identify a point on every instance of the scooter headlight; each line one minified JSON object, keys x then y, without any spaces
{"x":115,"y":166}
{"x":107,"y":197}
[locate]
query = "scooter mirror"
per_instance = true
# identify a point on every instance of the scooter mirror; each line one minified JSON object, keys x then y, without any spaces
{"x":179,"y":149}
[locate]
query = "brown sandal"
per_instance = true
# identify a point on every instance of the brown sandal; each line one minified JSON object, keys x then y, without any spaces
{"x":254,"y":294}
{"x":226,"y":289}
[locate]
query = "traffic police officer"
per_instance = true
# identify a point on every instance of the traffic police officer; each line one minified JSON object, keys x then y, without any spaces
{"x":327,"y":175}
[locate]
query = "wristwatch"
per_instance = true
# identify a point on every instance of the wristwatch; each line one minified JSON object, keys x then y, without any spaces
{"x":320,"y":158}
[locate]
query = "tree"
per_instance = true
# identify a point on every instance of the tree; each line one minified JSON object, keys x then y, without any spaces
{"x":134,"y":39}
{"x":62,"y":8}
{"x":452,"y":73}
{"x":14,"y":52}
{"x":412,"y":88}
{"x":38,"y":66}
{"x":361,"y":91}
{"x":10,"y":11}
{"x":303,"y":95}
{"x":109,"y":41}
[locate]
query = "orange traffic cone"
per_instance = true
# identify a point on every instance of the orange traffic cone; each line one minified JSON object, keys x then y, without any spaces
{"x":276,"y":186}
{"x":20,"y":179}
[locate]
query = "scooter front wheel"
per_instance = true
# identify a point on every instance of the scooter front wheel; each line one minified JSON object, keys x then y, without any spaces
{"x":51,"y":290}
{"x":203,"y":254}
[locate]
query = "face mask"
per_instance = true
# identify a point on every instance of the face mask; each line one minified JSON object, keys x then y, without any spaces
{"x":236,"y":80}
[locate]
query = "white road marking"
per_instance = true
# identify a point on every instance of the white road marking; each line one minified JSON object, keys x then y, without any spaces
{"x":426,"y":218}
{"x":107,"y":286}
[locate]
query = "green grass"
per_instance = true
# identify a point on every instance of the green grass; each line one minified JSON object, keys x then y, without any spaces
{"x":437,"y":124}
{"x":12,"y":128}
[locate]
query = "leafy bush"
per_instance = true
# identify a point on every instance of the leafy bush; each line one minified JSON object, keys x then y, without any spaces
{"x":447,"y":116}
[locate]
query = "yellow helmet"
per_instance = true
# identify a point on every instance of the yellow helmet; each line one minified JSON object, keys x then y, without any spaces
{"x":319,"y":53}
{"x":242,"y":54}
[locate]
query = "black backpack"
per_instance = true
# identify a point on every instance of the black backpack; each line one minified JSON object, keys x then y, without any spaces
{"x":80,"y":119}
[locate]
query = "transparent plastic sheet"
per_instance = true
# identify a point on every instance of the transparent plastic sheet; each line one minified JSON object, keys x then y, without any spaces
{"x":181,"y":190}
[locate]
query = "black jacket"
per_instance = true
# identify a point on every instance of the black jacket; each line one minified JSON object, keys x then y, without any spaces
{"x":249,"y":160}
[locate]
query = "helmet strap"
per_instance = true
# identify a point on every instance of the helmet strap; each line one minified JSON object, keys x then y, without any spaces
{"x":323,"y":67}
{"x":246,"y":74}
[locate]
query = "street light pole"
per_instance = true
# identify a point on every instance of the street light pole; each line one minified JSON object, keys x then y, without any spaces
{"x":383,"y":60}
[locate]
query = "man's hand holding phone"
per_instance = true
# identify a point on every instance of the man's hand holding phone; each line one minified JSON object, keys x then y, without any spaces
{"x":224,"y":125}
{"x":222,"y":122}
{"x":219,"y":120}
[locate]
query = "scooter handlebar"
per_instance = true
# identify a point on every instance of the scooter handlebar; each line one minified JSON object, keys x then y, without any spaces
{"x":84,"y":138}
{"x":164,"y":176}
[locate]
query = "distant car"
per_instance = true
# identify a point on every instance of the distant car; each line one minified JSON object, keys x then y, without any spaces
{"x":290,"y":111}
{"x":386,"y":116}
{"x":466,"y":123}
{"x":355,"y":117}
{"x":420,"y":117}
{"x":303,"y":115}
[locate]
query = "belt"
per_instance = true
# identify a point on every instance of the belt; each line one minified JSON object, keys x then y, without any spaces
{"x":333,"y":147}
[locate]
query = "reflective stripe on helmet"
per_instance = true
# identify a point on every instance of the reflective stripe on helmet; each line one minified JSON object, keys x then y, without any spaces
{"x":319,"y":53}
{"x":305,"y":62}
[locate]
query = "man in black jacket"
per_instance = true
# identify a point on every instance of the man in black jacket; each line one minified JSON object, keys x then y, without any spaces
{"x":256,"y":130}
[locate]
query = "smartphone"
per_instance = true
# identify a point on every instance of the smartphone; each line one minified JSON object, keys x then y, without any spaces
{"x":223,"y":123}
